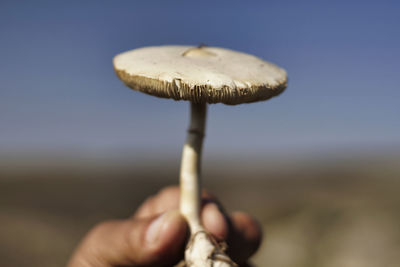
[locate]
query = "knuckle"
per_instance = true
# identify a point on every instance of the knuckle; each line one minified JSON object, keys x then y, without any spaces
{"x":145,"y":209}
{"x":168,"y":191}
{"x":100,"y":228}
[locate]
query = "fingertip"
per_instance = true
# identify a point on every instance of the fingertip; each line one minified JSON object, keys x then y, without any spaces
{"x":249,"y":227}
{"x":246,"y":237}
{"x":165,"y":236}
{"x":174,"y":229}
{"x":214,"y":221}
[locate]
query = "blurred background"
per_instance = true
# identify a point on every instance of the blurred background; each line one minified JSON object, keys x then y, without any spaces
{"x":319,"y":166}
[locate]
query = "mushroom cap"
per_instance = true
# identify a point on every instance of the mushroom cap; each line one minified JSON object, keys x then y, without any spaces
{"x":200,"y":74}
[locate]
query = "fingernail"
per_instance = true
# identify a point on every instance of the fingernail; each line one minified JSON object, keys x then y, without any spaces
{"x":216,"y":213}
{"x":154,"y":229}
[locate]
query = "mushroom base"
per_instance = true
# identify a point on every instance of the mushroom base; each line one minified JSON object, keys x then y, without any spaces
{"x":203,"y":251}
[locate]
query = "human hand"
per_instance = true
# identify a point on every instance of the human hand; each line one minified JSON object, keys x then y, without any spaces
{"x":156,"y":234}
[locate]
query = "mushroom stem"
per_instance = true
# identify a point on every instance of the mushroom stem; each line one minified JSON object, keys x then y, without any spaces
{"x":190,"y":179}
{"x":202,"y":250}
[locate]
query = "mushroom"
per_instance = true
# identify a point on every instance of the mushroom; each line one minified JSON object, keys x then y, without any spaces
{"x":200,"y":75}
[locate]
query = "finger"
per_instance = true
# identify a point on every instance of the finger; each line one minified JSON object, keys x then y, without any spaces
{"x":165,"y":200}
{"x":157,"y":241}
{"x":242,"y":232}
{"x":245,"y":235}
{"x":215,"y":221}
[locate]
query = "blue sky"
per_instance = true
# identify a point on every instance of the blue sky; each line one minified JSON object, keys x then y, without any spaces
{"x":58,"y":90}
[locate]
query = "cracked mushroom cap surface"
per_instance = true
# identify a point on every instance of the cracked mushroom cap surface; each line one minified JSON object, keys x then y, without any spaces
{"x":200,"y":74}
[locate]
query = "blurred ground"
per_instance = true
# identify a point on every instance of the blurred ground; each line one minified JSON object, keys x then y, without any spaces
{"x":324,"y":213}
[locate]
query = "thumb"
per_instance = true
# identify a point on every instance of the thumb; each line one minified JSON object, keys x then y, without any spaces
{"x":157,"y":241}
